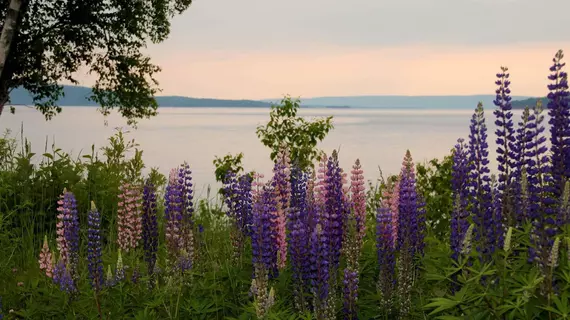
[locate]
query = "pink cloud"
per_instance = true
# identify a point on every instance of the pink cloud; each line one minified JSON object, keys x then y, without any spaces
{"x":337,"y":71}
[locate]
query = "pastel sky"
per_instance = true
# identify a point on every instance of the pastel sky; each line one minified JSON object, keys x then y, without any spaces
{"x":259,"y":49}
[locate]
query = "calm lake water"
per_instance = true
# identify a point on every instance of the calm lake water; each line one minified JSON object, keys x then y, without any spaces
{"x":376,"y":137}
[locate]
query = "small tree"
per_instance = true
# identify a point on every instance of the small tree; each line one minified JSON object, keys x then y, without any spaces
{"x":300,"y":136}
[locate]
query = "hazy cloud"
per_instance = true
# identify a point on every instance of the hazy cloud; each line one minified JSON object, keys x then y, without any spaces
{"x":269,"y":24}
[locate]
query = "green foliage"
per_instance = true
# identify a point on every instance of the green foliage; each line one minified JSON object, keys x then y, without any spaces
{"x":229,"y":163}
{"x":507,"y":288}
{"x":300,"y":136}
{"x":434,"y":185}
{"x":57,"y":37}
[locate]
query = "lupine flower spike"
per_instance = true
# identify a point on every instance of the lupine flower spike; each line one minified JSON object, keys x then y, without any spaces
{"x":94,"y":247}
{"x":129,"y":217}
{"x":46,"y":259}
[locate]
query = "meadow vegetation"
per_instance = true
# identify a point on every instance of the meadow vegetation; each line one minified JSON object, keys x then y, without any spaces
{"x":100,"y":236}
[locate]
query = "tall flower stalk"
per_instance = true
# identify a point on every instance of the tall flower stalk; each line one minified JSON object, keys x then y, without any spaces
{"x":129,"y":217}
{"x":480,"y":186}
{"x":94,"y":248}
{"x":411,"y":217}
{"x":506,"y":148}
{"x":68,"y":233}
{"x":459,"y":182}
{"x":559,"y":112}
{"x":358,"y":199}
{"x":410,"y":233}
{"x":540,"y":185}
{"x":186,"y":195}
{"x":46,"y":259}
{"x":299,"y":231}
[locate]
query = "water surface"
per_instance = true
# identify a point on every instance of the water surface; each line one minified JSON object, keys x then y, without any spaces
{"x":376,"y":137}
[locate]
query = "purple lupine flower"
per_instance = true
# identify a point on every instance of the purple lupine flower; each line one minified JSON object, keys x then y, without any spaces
{"x":244,"y":204}
{"x":298,"y":226}
{"x":506,"y":147}
{"x":263,"y":244}
{"x":334,"y":211}
{"x":479,"y":180}
{"x":459,"y":182}
{"x":386,"y":255}
{"x":559,"y":113}
{"x":541,"y":188}
{"x":350,"y":292}
{"x":94,"y":248}
{"x":173,"y":214}
{"x":187,"y":211}
{"x":1,"y":314}
{"x":320,"y":267}
{"x":410,"y":215}
{"x":150,"y":226}
{"x":238,"y":197}
{"x":62,"y":277}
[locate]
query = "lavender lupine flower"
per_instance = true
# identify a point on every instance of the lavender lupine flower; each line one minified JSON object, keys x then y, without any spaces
{"x":94,"y":248}
{"x":281,"y":176}
{"x":298,"y":226}
{"x":358,"y":199}
{"x":263,"y":244}
{"x":335,"y":210}
{"x":385,"y":244}
{"x":459,"y":182}
{"x":479,"y":180}
{"x":1,"y":314}
{"x":150,"y":226}
{"x":173,"y":213}
{"x":559,"y":113}
{"x":411,"y":218}
{"x":506,"y":147}
{"x":68,"y":208}
{"x":62,"y":277}
{"x":541,"y":209}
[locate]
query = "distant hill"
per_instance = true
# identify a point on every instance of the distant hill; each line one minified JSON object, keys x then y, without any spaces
{"x":531,"y":102}
{"x":401,"y":102}
{"x":78,"y":96}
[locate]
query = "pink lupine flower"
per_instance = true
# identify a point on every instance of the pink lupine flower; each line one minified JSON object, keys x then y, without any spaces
{"x":392,"y":196}
{"x":129,"y":218}
{"x":320,"y":185}
{"x":358,"y":199}
{"x":257,"y":185}
{"x":46,"y":261}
